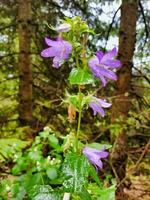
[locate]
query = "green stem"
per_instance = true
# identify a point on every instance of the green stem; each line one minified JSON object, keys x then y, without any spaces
{"x":42,"y":179}
{"x":79,"y":119}
{"x":77,"y":61}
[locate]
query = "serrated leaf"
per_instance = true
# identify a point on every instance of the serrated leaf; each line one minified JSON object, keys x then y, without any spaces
{"x":80,"y":77}
{"x":40,"y":192}
{"x":37,"y":189}
{"x":53,"y":196}
{"x":46,"y":197}
{"x":76,"y":170}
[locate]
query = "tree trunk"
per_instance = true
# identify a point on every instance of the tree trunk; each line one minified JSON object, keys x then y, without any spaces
{"x":127,"y":39}
{"x":25,"y":85}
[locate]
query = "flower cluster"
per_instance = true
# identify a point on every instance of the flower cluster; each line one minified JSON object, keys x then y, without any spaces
{"x":95,"y":156}
{"x":59,"y":49}
{"x":97,"y":106}
{"x":101,"y":66}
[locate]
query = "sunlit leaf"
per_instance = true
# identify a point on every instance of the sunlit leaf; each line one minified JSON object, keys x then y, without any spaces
{"x":80,"y":77}
{"x":76,"y":170}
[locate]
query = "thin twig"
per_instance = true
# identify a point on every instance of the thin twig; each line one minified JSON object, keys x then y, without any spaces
{"x":145,"y":23}
{"x":111,"y":24}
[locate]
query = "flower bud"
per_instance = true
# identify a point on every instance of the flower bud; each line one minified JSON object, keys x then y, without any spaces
{"x":63,"y":27}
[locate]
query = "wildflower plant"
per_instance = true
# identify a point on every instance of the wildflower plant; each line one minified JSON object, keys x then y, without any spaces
{"x":71,"y":47}
{"x":71,"y":169}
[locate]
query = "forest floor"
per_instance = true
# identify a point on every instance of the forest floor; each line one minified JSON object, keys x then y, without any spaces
{"x":139,"y":188}
{"x":137,"y":180}
{"x":138,"y":174}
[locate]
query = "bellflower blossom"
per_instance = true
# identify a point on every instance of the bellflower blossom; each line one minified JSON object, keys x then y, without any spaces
{"x":63,"y":27}
{"x":59,"y":49}
{"x":97,"y":106}
{"x":94,"y":156}
{"x":103,"y":64}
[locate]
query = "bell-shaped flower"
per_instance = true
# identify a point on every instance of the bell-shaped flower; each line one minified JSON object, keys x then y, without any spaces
{"x":63,"y":27}
{"x":97,"y":105}
{"x":59,"y":50}
{"x":103,"y":64}
{"x":95,"y":156}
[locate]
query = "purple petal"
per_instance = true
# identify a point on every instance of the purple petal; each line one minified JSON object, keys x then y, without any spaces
{"x":111,"y":63}
{"x":99,"y":54}
{"x":97,"y":109}
{"x":89,"y":151}
{"x":59,"y":49}
{"x":96,"y":168}
{"x":104,"y":82}
{"x":103,"y":103}
{"x":93,"y":62}
{"x":95,"y":156}
{"x":108,"y":73}
{"x":99,"y":164}
{"x":50,"y":42}
{"x":110,"y":55}
{"x":102,"y":154}
{"x":50,"y":52}
{"x":66,"y":49}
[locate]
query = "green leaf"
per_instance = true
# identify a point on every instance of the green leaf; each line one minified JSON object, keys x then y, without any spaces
{"x":102,"y":193}
{"x":76,"y":170}
{"x":37,"y":189}
{"x":94,"y":175}
{"x":16,"y":169}
{"x":84,"y":195}
{"x":51,"y":173}
{"x":18,"y":192}
{"x":33,"y":179}
{"x":53,"y":140}
{"x":108,"y":193}
{"x":40,"y":192}
{"x":44,"y":134}
{"x":10,"y":146}
{"x":80,"y":77}
{"x":20,"y":166}
{"x":74,"y":100}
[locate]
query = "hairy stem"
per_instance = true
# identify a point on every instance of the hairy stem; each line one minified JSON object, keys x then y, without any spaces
{"x":79,"y":120}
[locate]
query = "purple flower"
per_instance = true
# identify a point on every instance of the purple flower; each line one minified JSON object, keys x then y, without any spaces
{"x":63,"y":27}
{"x":103,"y":64}
{"x":59,"y":49}
{"x":95,"y":156}
{"x":97,"y":105}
